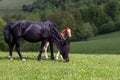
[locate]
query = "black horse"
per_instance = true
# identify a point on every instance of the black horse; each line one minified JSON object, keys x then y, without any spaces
{"x":35,"y":32}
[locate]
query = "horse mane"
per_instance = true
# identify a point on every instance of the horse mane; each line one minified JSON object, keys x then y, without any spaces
{"x":47,"y":20}
{"x":63,"y":31}
{"x":54,"y":30}
{"x":56,"y":33}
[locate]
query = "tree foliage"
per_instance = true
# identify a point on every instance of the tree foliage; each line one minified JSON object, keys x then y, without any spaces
{"x":100,"y":14}
{"x":97,"y":16}
{"x":2,"y":43}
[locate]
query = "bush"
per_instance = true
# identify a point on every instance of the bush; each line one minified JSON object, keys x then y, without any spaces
{"x":117,"y":24}
{"x":2,"y":23}
{"x":108,"y":27}
{"x":62,"y":19}
{"x":3,"y":45}
{"x":84,"y":32}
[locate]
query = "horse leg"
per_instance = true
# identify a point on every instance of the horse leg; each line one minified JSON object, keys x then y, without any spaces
{"x":51,"y":49}
{"x":57,"y":55}
{"x":41,"y":50}
{"x":11,"y":48}
{"x":18,"y":49}
{"x":45,"y":49}
{"x":61,"y":56}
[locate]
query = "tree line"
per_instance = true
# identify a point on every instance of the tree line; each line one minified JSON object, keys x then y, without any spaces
{"x":86,"y":18}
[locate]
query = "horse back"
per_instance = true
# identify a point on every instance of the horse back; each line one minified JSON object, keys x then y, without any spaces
{"x":36,"y":32}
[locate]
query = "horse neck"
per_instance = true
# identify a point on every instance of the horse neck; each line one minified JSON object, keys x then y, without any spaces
{"x":64,"y":36}
{"x":56,"y":36}
{"x":63,"y":33}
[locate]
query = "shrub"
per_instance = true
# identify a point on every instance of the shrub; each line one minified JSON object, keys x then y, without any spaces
{"x":2,"y":23}
{"x":84,"y":32}
{"x":108,"y":27}
{"x":117,"y":24}
{"x":2,"y":43}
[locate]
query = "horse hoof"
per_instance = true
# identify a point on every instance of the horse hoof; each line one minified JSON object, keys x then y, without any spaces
{"x":52,"y":58}
{"x":46,"y":57}
{"x":11,"y":58}
{"x":56,"y":58}
{"x":23,"y":59}
{"x":39,"y":59}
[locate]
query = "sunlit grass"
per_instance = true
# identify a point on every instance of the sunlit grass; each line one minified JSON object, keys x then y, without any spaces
{"x":80,"y":67}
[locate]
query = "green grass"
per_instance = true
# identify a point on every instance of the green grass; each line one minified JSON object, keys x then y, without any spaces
{"x":97,"y":59}
{"x":103,"y":44}
{"x":80,"y":67}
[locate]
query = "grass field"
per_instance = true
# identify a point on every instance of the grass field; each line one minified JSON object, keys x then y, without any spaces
{"x":80,"y":67}
{"x":103,"y":44}
{"x":96,"y":59}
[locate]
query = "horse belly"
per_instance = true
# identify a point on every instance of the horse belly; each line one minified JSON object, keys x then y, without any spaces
{"x":32,"y":37}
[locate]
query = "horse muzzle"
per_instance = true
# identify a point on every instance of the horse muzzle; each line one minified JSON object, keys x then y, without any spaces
{"x":66,"y":60}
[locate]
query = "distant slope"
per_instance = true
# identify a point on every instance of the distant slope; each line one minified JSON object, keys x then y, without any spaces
{"x":103,"y":44}
{"x":12,"y":6}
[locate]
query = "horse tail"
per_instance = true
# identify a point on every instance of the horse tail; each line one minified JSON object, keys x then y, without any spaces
{"x":7,"y":33}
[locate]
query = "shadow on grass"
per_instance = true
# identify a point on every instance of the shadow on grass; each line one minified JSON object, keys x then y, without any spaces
{"x":30,"y":59}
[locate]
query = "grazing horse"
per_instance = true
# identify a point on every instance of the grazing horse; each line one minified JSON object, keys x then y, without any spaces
{"x":35,"y":32}
{"x":66,"y":33}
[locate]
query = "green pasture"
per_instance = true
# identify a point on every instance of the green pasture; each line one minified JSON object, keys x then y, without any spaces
{"x":103,"y":44}
{"x":96,"y":59}
{"x":80,"y":67}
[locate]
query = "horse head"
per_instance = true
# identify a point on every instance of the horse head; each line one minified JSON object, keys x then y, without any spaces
{"x":68,"y":31}
{"x":61,"y":43}
{"x":65,"y":50}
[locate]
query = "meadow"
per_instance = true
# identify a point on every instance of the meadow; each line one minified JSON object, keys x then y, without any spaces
{"x":87,"y":62}
{"x":102,"y":44}
{"x":80,"y":67}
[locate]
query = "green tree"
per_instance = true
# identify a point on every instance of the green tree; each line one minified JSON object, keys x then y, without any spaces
{"x":111,"y":8}
{"x":107,"y":27}
{"x":3,"y":45}
{"x":84,"y":31}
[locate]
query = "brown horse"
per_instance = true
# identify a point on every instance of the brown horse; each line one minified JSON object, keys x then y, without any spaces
{"x":66,"y":33}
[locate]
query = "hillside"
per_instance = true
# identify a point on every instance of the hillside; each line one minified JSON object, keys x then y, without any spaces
{"x":9,"y":6}
{"x":103,"y":44}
